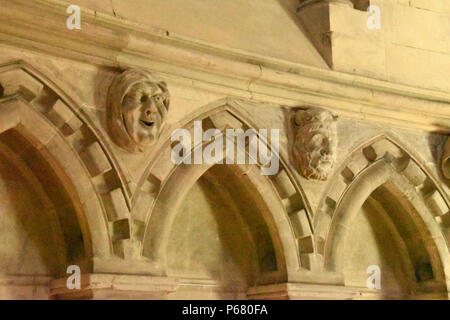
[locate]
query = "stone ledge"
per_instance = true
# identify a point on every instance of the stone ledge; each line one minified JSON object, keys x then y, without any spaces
{"x":105,"y":286}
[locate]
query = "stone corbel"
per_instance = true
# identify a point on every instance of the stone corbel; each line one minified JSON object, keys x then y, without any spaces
{"x":138,"y":103}
{"x":315,"y":143}
{"x":315,"y":16}
{"x":325,"y":23}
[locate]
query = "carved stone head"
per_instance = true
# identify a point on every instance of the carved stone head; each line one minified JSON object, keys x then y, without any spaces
{"x":315,"y":143}
{"x":445,"y":161}
{"x":138,"y":103}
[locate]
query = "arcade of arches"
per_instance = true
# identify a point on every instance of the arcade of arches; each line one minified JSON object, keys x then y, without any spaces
{"x":357,"y":208}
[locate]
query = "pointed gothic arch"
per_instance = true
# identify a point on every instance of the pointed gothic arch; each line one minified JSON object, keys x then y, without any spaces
{"x":383,"y":168}
{"x":48,"y":122}
{"x":166,"y":184}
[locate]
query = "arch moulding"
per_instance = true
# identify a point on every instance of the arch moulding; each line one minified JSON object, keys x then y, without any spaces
{"x":162,"y":190}
{"x":53,"y":123}
{"x":372,"y":165}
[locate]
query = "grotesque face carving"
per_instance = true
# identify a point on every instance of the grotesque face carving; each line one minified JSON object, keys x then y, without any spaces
{"x":137,"y":109}
{"x":143,"y":112}
{"x":315,"y":143}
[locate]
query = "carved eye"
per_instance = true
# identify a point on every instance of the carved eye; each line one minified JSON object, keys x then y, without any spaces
{"x":159,"y":98}
{"x":144,"y":98}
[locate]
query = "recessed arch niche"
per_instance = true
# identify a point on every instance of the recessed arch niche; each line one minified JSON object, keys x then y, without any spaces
{"x":67,"y":167}
{"x":383,"y":209}
{"x":271,"y":232}
{"x":221,"y":231}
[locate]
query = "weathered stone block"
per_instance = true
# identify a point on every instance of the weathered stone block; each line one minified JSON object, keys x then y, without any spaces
{"x":95,"y":159}
{"x":437,"y":203}
{"x":300,"y":223}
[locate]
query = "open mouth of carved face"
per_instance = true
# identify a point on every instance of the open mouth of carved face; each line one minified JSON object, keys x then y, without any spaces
{"x":147,"y":124}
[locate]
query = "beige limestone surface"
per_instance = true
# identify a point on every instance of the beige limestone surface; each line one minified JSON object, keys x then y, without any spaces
{"x":140,"y":226}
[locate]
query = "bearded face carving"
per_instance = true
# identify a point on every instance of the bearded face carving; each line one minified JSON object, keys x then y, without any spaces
{"x":315,"y":143}
{"x":137,"y":109}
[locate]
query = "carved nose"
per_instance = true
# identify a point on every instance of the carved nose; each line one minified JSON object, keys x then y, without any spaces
{"x":149,"y":110}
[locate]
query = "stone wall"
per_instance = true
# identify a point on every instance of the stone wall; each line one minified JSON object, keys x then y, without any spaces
{"x":373,"y":123}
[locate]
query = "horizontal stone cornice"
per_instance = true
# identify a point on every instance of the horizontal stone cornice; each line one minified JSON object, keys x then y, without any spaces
{"x":109,"y":41}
